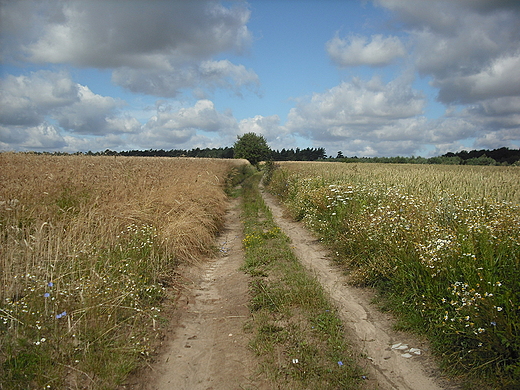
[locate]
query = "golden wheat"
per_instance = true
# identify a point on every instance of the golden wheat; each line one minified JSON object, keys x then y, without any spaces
{"x":87,"y":244}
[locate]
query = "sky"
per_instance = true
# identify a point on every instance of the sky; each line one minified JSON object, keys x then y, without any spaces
{"x":367,"y":78}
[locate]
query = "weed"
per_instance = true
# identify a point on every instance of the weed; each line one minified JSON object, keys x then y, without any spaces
{"x":442,"y":244}
{"x":297,"y":333}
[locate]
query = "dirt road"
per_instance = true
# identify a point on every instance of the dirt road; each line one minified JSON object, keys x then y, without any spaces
{"x":395,"y":360}
{"x":208,"y":348}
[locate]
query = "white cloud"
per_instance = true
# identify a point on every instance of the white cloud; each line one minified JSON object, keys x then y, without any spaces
{"x":268,"y":126}
{"x":174,"y":128}
{"x":356,"y":50}
{"x":370,"y":118}
{"x":38,"y":110}
{"x":169,"y":83}
{"x":355,"y":107}
{"x":154,"y":47}
{"x":500,"y":79}
{"x":469,"y":48}
{"x":44,"y":95}
{"x":25,"y":100}
{"x":106,"y":34}
{"x":41,"y":137}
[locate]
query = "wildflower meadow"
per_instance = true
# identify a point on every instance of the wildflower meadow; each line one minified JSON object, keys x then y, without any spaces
{"x":88,"y":250}
{"x":442,"y":243}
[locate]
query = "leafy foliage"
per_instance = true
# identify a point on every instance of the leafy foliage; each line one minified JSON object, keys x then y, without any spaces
{"x":252,"y":147}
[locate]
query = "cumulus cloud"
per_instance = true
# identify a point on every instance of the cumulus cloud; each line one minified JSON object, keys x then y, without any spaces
{"x":41,"y":137}
{"x":369,"y":111}
{"x":31,"y":100}
{"x":500,"y":78}
{"x":356,"y":50}
{"x":105,"y":34}
{"x":207,"y":75}
{"x":36,"y":111}
{"x":468,"y":47}
{"x":154,"y":47}
{"x":470,"y":51}
{"x":25,"y":100}
{"x":357,"y":105}
{"x":173,"y":128}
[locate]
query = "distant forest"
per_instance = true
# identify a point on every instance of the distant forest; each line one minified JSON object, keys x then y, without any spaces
{"x":502,"y":156}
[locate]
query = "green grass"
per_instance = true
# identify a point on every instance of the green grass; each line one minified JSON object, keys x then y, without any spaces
{"x":94,"y":315}
{"x":296,"y":331}
{"x":448,"y":264}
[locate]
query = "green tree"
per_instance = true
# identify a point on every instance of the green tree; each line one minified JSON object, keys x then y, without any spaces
{"x":252,"y":147}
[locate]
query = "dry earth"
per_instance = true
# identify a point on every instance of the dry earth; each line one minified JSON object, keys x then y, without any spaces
{"x":207,"y":348}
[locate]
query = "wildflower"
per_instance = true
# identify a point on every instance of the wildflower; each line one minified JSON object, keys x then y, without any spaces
{"x":42,"y":340}
{"x":340,"y":363}
{"x":58,"y":316}
{"x":46,"y":295}
{"x":493,"y":323}
{"x":50,"y":284}
{"x":295,"y":361}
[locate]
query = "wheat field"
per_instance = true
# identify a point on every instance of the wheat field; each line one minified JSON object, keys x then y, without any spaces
{"x":441,"y":242}
{"x":88,"y":250}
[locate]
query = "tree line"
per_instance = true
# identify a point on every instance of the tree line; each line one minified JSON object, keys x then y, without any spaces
{"x":501,"y":156}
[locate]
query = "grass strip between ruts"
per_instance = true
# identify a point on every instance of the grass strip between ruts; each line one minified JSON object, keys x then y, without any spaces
{"x":297,"y":333}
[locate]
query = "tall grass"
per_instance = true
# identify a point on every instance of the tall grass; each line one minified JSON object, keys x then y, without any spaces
{"x":88,"y":248}
{"x":442,"y":242}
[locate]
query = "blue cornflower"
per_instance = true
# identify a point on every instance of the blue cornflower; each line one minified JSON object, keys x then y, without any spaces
{"x":50,"y":284}
{"x":46,"y":295}
{"x":340,"y":363}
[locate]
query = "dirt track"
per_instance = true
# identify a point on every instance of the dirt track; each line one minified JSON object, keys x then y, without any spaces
{"x":394,"y":359}
{"x":208,"y":347}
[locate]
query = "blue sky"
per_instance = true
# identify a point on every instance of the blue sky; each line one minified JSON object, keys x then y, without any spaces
{"x":369,"y":78}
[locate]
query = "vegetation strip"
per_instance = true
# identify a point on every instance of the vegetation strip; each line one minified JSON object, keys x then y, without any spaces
{"x":88,"y":251}
{"x":442,"y":244}
{"x":296,"y":331}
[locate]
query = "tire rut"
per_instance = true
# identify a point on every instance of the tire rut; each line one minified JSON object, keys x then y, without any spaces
{"x":395,"y":360}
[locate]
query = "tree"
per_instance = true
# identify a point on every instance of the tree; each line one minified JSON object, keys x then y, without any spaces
{"x":252,"y":147}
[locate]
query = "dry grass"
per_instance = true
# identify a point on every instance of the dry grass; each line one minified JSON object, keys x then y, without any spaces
{"x":87,"y":246}
{"x":470,"y":182}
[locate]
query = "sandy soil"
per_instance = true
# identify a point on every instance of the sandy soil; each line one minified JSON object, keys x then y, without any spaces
{"x":210,"y":349}
{"x":207,"y":348}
